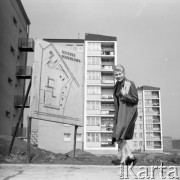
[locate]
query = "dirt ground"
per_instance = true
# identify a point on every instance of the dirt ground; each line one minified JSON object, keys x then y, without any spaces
{"x":40,"y":156}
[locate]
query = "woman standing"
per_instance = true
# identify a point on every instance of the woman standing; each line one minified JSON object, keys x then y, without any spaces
{"x":125,"y":101}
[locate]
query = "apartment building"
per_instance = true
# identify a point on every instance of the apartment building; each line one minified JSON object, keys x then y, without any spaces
{"x":100,"y":57}
{"x":14,"y":45}
{"x":148,"y":128}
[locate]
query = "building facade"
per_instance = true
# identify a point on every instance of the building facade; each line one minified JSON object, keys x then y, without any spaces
{"x":14,"y":45}
{"x":100,"y":57}
{"x":148,"y":128}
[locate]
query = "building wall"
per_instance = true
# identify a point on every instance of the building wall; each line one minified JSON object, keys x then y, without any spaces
{"x":167,"y":143}
{"x":53,"y":137}
{"x":148,"y":129}
{"x":100,"y":57}
{"x":13,"y":26}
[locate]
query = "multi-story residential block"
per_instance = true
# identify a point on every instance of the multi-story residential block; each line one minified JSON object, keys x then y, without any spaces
{"x":14,"y":45}
{"x":100,"y":57}
{"x":148,"y":129}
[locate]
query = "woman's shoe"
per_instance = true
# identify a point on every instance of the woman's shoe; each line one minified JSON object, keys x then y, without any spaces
{"x":126,"y":161}
{"x":133,"y":161}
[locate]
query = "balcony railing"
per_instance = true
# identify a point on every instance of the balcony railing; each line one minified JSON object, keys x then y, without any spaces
{"x":26,"y":44}
{"x":24,"y":72}
{"x":104,"y":96}
{"x":19,"y":100}
{"x":151,"y":104}
{"x":104,"y":81}
{"x":107,"y":68}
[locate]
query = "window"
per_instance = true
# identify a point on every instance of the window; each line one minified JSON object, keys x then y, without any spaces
{"x":93,"y":121}
{"x":140,"y":143}
{"x":9,"y":80}
{"x":140,"y":126}
{"x":149,"y":126}
{"x":94,"y":46}
{"x":67,"y":136}
{"x":93,"y":137}
{"x":79,"y":137}
{"x":15,"y":21}
{"x":12,"y":50}
{"x":108,"y":76}
{"x":135,"y":135}
{"x":7,"y":114}
{"x":93,"y":105}
{"x":93,"y":75}
{"x":94,"y":60}
{"x":140,"y":135}
{"x":93,"y":90}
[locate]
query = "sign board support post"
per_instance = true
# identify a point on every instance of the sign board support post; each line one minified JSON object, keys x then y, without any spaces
{"x":29,"y":138}
{"x":75,"y":135}
{"x":19,"y":119}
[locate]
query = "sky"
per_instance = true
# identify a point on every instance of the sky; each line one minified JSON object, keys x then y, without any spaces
{"x":148,"y":40}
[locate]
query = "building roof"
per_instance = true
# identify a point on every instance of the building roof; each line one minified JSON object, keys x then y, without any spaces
{"x":148,"y":88}
{"x":23,"y":11}
{"x":64,"y":40}
{"x":98,"y":37}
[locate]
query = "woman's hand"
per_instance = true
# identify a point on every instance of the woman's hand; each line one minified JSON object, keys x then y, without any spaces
{"x":123,"y":92}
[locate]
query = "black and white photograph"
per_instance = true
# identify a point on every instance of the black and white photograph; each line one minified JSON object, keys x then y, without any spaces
{"x":89,"y":89}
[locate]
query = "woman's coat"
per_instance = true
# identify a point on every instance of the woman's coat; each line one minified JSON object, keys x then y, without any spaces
{"x":125,"y":110}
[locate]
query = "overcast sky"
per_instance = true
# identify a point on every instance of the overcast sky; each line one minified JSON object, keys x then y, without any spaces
{"x":148,"y":37}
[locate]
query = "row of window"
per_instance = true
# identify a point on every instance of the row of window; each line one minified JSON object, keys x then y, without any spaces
{"x":94,"y":90}
{"x":139,"y":126}
{"x":153,"y":94}
{"x":93,"y":105}
{"x":136,"y":143}
{"x":95,"y":60}
{"x":96,"y":121}
{"x":93,"y":121}
{"x":136,"y":135}
{"x":96,"y":105}
{"x":94,"y":75}
{"x":93,"y":46}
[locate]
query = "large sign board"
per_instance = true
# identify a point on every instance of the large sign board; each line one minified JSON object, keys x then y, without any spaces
{"x":57,"y":84}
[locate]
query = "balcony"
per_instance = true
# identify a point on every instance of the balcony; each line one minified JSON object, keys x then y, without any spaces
{"x":26,"y":44}
{"x":106,"y":68}
{"x":104,"y":81}
{"x":107,"y":50}
{"x":105,"y":96}
{"x":19,"y":100}
{"x":24,"y":72}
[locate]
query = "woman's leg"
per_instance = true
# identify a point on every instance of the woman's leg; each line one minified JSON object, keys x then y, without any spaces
{"x":128,"y":150}
{"x":122,"y":150}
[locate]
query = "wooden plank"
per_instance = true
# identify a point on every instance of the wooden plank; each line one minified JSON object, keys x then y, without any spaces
{"x":29,"y":138}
